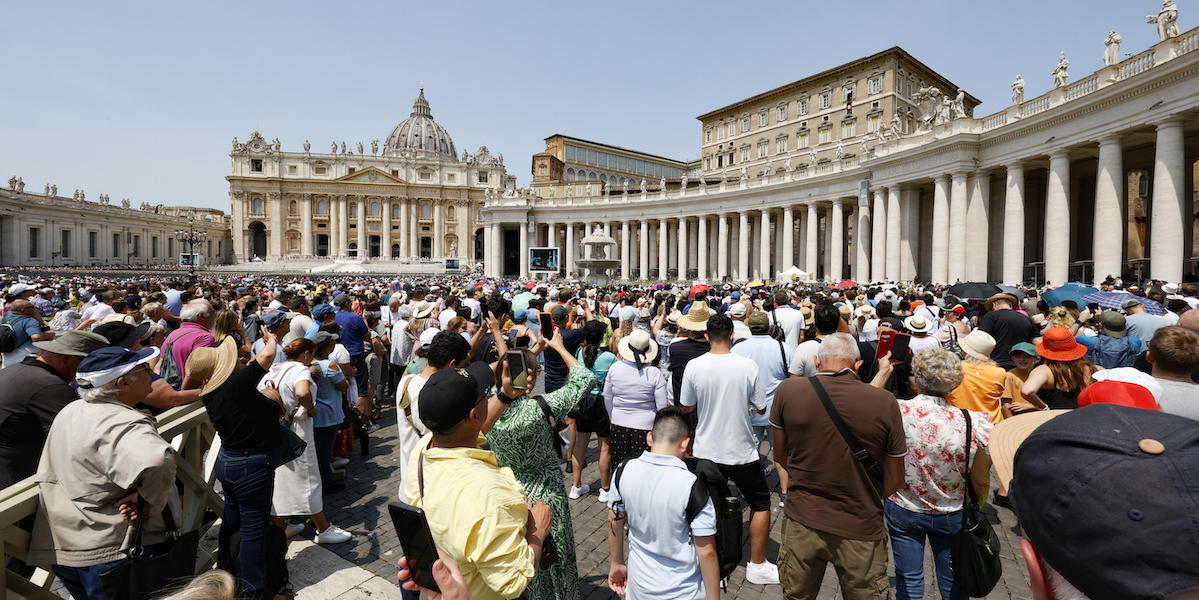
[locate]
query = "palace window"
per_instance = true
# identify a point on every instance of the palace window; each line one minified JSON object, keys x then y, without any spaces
{"x":744,"y":153}
{"x":322,"y":208}
{"x":803,"y":106}
{"x":744,"y":124}
{"x":874,"y":85}
{"x":801,"y":140}
{"x":719,"y":160}
{"x":707,"y":163}
{"x":732,"y":130}
{"x":256,"y":206}
{"x":374,"y":208}
{"x":291,"y":207}
{"x":847,"y":93}
{"x":708,"y":135}
{"x":763,"y":119}
{"x":872,"y":123}
{"x":426,"y":211}
{"x":780,"y":145}
{"x":395,"y":211}
{"x":826,"y":99}
{"x":353,"y":210}
{"x":826,"y":135}
{"x":482,"y":176}
{"x":761,"y":149}
{"x":450,"y":214}
{"x":847,"y":129}
{"x":426,"y":175}
{"x":256,"y":165}
{"x":781,"y":113}
{"x":321,"y":169}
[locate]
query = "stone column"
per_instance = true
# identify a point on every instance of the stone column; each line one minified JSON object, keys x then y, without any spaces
{"x":788,"y":228}
{"x":385,"y":251}
{"x":624,"y":251}
{"x":413,"y":227}
{"x":1013,"y":226}
{"x":1169,"y":213}
{"x":335,"y":221}
{"x":551,"y":234}
{"x":406,"y":226}
{"x":978,"y":226}
{"x":743,"y":246}
{"x":238,"y":221}
{"x":892,"y":234}
{"x":663,"y":254}
{"x":813,"y":252}
{"x":764,"y":240}
{"x":878,"y":236}
{"x":958,"y":199}
{"x":524,"y":247}
{"x":306,"y":246}
{"x":863,"y":233}
{"x":439,"y":234}
{"x":278,"y":230}
{"x":1109,"y":209}
{"x":684,"y":248}
{"x":722,"y":248}
{"x":701,"y":262}
{"x":836,"y":228}
{"x":569,"y":252}
{"x":1057,"y":218}
{"x":363,"y":212}
{"x":940,"y":245}
{"x":491,"y":252}
{"x":909,"y":228}
{"x":643,"y":251}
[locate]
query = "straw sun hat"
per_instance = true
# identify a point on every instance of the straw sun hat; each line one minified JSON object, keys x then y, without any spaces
{"x":213,"y":366}
{"x":638,"y":345}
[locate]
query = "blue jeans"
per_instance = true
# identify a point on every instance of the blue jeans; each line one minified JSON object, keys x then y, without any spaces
{"x":248,"y":481}
{"x":84,"y":582}
{"x":325,"y":438}
{"x":908,"y":530}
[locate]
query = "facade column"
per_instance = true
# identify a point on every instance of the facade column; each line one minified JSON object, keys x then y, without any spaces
{"x":1109,"y":209}
{"x":940,"y":245}
{"x":385,"y":251}
{"x":1013,"y":226}
{"x":569,"y":252}
{"x":439,"y":235}
{"x":701,"y":259}
{"x":864,"y":233}
{"x":1057,"y":218}
{"x":643,"y":251}
{"x":764,"y":239}
{"x":836,"y":227}
{"x":909,"y":233}
{"x":878,"y":236}
{"x":624,"y":251}
{"x":413,"y":227}
{"x":663,"y":254}
{"x":813,"y":252}
{"x":722,"y":247}
{"x":958,"y":199}
{"x":406,"y":226}
{"x":335,"y":221}
{"x":1169,"y":213}
{"x":306,"y":216}
{"x":523,"y":269}
{"x":743,"y":246}
{"x":684,"y":248}
{"x":892,"y":263}
{"x":491,"y":252}
{"x":278,"y":231}
{"x":978,"y":224}
{"x":363,"y":211}
{"x":788,"y":228}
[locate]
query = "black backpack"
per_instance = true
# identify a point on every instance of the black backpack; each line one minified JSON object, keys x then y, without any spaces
{"x":710,"y":484}
{"x":776,"y":330}
{"x":9,"y":336}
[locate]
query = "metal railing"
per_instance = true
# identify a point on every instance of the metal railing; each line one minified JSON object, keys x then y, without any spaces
{"x":196,"y":444}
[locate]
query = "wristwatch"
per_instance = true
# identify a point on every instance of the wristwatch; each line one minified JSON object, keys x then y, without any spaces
{"x":504,"y":398}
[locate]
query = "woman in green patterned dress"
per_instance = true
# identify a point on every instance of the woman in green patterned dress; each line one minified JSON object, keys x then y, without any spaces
{"x":522,"y":441}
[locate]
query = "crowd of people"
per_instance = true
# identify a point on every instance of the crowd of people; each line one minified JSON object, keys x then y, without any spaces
{"x":867,"y":414}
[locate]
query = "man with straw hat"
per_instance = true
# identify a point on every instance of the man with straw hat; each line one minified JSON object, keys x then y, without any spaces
{"x":691,"y":342}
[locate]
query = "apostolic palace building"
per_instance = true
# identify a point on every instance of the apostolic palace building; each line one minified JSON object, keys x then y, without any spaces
{"x":881,"y":169}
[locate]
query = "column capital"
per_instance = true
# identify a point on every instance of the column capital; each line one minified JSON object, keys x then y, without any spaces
{"x":1169,"y":121}
{"x":941,"y":178}
{"x":1109,"y":139}
{"x":1015,"y":167}
{"x":1059,"y":154}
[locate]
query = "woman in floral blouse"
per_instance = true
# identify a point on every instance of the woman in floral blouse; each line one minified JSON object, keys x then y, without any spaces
{"x":522,"y":441}
{"x":929,"y":504}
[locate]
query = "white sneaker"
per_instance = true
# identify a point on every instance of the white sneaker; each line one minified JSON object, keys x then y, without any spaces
{"x":764,"y":573}
{"x":339,"y":462}
{"x":293,"y":529}
{"x":605,"y":495}
{"x":337,"y":535}
{"x":575,"y":492}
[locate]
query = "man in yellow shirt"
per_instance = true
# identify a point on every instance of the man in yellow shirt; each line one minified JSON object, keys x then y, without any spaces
{"x":476,"y":510}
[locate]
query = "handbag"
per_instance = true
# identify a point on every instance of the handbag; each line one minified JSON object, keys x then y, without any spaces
{"x":952,"y":344}
{"x":557,"y":426}
{"x":148,"y":571}
{"x":290,"y":446}
{"x":974,"y":550}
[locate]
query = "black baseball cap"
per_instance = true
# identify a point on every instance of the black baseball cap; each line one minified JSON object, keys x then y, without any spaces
{"x":1108,"y":495}
{"x":450,"y":394}
{"x":119,"y":333}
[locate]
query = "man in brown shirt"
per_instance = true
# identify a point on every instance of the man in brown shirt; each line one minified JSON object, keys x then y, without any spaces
{"x":834,"y":509}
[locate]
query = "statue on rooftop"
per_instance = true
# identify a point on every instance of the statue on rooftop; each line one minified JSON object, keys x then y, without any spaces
{"x":1018,"y":89}
{"x":1111,"y":54}
{"x":1059,"y":73}
{"x":1166,"y":20}
{"x":307,"y":147}
{"x":375,"y":147}
{"x":360,"y":148}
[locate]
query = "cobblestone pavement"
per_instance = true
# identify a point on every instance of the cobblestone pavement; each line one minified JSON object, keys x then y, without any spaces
{"x":373,"y":481}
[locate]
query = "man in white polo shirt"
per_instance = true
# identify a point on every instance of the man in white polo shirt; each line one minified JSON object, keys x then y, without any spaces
{"x":652,"y":494}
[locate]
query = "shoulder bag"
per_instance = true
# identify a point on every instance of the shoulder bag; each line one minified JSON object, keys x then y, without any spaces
{"x":148,"y":571}
{"x":291,"y":446}
{"x":874,"y":471}
{"x":952,"y":344}
{"x":974,"y":550}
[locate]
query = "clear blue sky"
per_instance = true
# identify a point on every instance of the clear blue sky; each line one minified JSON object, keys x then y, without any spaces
{"x":141,"y":100}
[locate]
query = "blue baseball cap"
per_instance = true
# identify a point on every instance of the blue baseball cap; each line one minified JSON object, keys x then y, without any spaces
{"x":320,"y":311}
{"x":275,"y":318}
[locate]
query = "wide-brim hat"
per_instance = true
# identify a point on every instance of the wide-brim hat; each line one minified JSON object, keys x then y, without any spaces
{"x":1058,"y":344}
{"x":1010,"y":298}
{"x":917,"y":324}
{"x":213,"y":366}
{"x":1010,"y":433}
{"x":696,"y":318}
{"x":422,"y":309}
{"x":865,"y":310}
{"x":74,"y":343}
{"x":638,"y":346}
{"x":978,"y":344}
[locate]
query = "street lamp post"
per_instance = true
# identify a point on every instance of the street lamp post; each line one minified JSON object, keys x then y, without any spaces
{"x":191,"y":237}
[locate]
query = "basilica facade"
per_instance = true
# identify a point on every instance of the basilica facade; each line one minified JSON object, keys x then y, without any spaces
{"x":412,"y":199}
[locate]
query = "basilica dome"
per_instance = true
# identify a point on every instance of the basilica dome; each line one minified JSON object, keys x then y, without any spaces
{"x":420,"y":132}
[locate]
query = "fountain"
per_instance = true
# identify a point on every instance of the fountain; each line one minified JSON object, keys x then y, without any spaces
{"x":596,"y":248}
